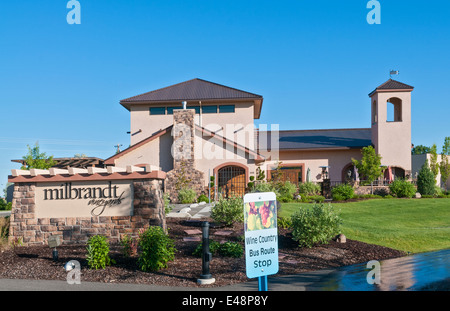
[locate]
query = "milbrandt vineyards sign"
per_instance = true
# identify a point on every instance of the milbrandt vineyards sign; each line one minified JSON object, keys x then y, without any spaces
{"x":85,"y":199}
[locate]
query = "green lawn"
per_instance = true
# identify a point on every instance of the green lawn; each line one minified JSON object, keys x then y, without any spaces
{"x":411,"y":225}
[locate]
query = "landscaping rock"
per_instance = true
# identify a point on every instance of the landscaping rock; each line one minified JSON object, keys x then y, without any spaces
{"x":340,"y":238}
{"x":418,"y":195}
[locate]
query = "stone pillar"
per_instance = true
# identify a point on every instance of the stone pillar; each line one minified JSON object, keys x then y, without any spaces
{"x":184,"y":173}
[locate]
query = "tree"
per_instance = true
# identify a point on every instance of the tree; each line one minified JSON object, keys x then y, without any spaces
{"x":434,"y":166}
{"x":446,"y":146}
{"x":426,"y":180}
{"x":444,"y":166}
{"x":420,"y":149}
{"x":35,"y":159}
{"x":370,"y":165}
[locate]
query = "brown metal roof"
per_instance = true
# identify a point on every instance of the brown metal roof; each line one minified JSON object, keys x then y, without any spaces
{"x":392,"y":85}
{"x":195,"y":89}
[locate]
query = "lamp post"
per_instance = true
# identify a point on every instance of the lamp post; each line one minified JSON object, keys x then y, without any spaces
{"x":205,"y":277}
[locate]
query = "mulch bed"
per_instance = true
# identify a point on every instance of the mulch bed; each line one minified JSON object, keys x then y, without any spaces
{"x":36,"y":262}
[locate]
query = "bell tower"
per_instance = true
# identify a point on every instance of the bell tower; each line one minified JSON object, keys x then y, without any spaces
{"x":391,"y":125}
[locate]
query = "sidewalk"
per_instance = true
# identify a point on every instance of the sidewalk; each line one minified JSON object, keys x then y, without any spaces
{"x":301,"y":282}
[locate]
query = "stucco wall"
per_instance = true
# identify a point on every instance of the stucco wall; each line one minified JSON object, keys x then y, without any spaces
{"x":336,"y":159}
{"x":140,"y":119}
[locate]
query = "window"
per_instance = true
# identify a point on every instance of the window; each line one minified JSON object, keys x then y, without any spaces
{"x":394,"y":110}
{"x":196,"y":108}
{"x":157,"y":110}
{"x":171,"y":109}
{"x":294,"y":174}
{"x":209,"y":109}
{"x":226,"y":108}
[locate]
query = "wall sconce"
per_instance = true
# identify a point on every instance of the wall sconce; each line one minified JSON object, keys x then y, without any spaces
{"x":324,"y":171}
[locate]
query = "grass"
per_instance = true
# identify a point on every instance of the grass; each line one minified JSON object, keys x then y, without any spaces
{"x":410,"y":225}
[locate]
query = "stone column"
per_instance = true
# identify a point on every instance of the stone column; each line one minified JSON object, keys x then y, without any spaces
{"x":184,"y":173}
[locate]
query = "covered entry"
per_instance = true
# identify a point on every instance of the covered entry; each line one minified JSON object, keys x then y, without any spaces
{"x":231,"y":179}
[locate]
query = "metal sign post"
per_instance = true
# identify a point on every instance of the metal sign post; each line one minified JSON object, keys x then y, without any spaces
{"x":261,"y":236}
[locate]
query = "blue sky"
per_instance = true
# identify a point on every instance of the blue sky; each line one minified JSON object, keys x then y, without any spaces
{"x":313,"y":61}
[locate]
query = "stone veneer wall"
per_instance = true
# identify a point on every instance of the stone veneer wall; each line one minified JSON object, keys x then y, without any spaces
{"x":183,"y":155}
{"x":148,"y":211}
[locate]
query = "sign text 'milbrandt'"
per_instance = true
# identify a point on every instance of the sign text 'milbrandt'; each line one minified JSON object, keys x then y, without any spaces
{"x":67,"y":192}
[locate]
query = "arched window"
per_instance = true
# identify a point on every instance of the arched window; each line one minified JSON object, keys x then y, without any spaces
{"x":394,"y":110}
{"x":374,"y":112}
{"x":232,"y":180}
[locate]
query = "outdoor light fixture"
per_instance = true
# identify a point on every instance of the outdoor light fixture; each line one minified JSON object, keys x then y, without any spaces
{"x":53,"y":242}
{"x":324,"y":171}
{"x":205,"y":277}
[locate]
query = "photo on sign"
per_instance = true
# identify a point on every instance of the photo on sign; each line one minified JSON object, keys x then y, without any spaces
{"x":260,"y":215}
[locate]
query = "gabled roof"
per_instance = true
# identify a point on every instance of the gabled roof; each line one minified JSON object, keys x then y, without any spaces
{"x":111,"y":160}
{"x":194,"y":90}
{"x":393,"y":85}
{"x":320,"y":139}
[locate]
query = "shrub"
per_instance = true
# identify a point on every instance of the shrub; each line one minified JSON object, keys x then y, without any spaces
{"x":187,"y":195}
{"x":265,"y":187}
{"x":283,"y":222}
{"x":228,"y":211}
{"x":309,"y":189}
{"x":4,"y":231}
{"x":402,"y":188}
{"x":426,"y":181}
{"x":317,"y":198}
{"x":342,"y":192}
{"x":156,"y":249}
{"x":167,"y":206}
{"x":129,"y":246}
{"x":315,"y":226}
{"x":203,"y":198}
{"x":98,"y":252}
{"x":286,"y":191}
{"x":4,"y":206}
{"x":227,"y":249}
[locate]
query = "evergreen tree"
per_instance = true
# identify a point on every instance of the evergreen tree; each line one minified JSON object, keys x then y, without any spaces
{"x":426,"y":181}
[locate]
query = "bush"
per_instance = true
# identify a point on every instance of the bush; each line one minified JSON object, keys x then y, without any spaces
{"x":129,"y":246}
{"x":228,"y":211}
{"x":156,"y":249}
{"x":265,"y":187}
{"x":342,"y":192}
{"x":227,"y":249}
{"x":98,"y":252}
{"x":283,"y":222}
{"x":426,"y":181}
{"x":315,"y":226}
{"x":402,"y":188}
{"x":286,"y":192}
{"x":5,"y":206}
{"x":187,"y":195}
{"x":167,"y":206}
{"x":309,"y":189}
{"x":4,"y":231}
{"x":317,"y":198}
{"x":203,"y":198}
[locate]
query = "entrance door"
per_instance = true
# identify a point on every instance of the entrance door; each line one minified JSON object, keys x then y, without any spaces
{"x":232,"y":181}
